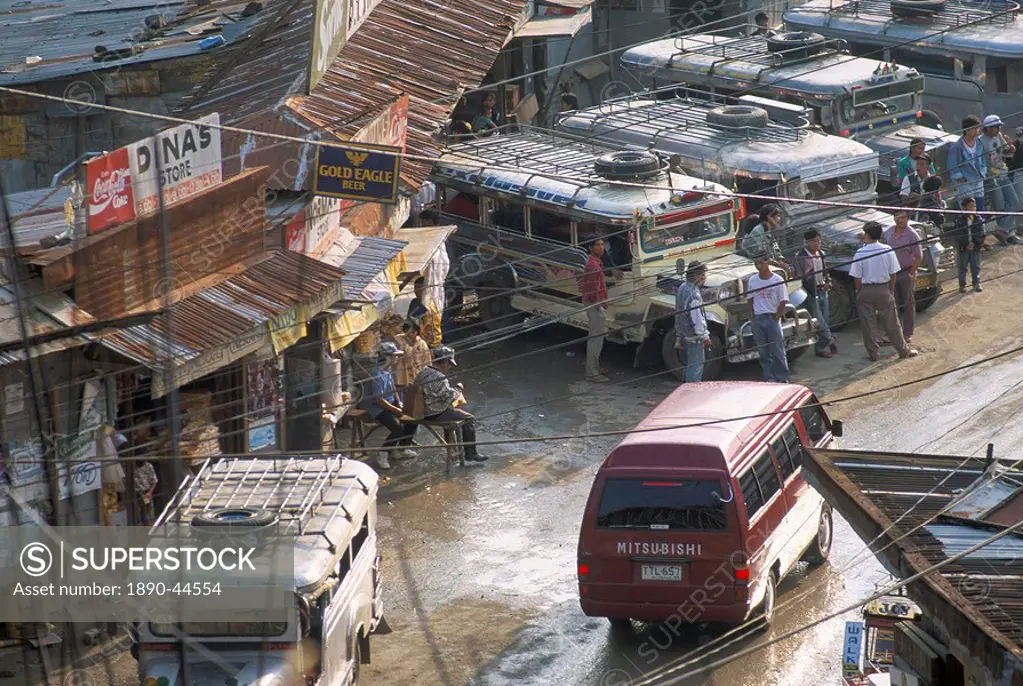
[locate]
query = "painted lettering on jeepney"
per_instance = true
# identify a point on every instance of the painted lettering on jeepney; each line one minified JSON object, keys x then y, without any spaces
{"x":646,"y":548}
{"x":511,"y":187}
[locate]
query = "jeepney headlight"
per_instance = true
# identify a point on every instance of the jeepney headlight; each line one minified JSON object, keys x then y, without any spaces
{"x":720,"y":292}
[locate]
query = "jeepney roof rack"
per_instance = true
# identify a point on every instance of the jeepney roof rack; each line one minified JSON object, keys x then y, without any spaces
{"x":753,"y":49}
{"x":296,"y":489}
{"x":683,"y":118}
{"x":540,"y":153}
{"x":954,"y":14}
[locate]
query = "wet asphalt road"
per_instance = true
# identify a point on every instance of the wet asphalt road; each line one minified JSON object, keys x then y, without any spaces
{"x":505,"y":533}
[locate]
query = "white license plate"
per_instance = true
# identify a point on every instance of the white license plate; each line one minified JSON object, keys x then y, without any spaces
{"x":660,"y":573}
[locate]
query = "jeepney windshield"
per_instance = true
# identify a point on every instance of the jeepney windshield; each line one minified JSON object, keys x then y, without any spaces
{"x":830,"y":188}
{"x":658,"y":234}
{"x":882,"y":101}
{"x":213,"y":629}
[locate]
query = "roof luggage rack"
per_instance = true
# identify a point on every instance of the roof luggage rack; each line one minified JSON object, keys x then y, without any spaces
{"x":954,"y":13}
{"x":293,"y":490}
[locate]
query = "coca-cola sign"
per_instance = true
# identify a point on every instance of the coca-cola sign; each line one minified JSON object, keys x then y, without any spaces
{"x":109,"y":184}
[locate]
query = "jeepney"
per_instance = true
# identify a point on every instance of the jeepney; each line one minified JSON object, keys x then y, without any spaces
{"x":970,"y":52}
{"x":327,"y":506}
{"x":876,"y":103}
{"x":739,"y":143}
{"x":527,"y":203}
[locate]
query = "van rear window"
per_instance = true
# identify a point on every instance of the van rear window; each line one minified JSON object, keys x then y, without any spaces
{"x":680,"y":505}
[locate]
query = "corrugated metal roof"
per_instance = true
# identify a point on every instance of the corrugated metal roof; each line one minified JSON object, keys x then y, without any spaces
{"x":39,"y":322}
{"x":36,"y":214}
{"x":66,"y":33}
{"x":226,"y":311}
{"x":427,"y":49}
{"x":884,"y":487}
{"x":370,"y":257}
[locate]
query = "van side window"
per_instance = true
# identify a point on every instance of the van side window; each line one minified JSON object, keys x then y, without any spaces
{"x":794,"y":446}
{"x":360,"y":538}
{"x":815,"y":421}
{"x":344,"y":565}
{"x":759,"y":484}
{"x":781,"y":453}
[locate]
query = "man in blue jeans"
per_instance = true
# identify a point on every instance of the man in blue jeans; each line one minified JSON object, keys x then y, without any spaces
{"x":810,"y":265}
{"x":768,"y":298}
{"x":691,"y":334}
{"x":967,"y":164}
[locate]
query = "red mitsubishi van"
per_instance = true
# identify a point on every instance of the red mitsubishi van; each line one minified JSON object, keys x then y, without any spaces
{"x":697,"y":524}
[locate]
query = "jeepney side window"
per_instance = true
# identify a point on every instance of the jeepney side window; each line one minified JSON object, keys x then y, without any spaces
{"x":1004,"y":77}
{"x":508,"y":215}
{"x":360,"y":538}
{"x":749,"y":186}
{"x":465,"y":205}
{"x":550,"y":226}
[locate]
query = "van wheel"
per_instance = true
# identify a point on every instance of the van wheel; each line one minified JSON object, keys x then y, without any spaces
{"x":357,"y":662}
{"x":620,"y":626}
{"x":931,"y":120}
{"x":767,"y":608}
{"x":675,"y":358}
{"x":926,"y":298}
{"x":495,"y":307}
{"x":819,"y":550}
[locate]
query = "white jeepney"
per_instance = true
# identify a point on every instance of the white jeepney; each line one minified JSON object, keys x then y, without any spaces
{"x":327,"y":505}
{"x":526,"y":204}
{"x":737,"y":143}
{"x":970,"y":52}
{"x":875,"y":103}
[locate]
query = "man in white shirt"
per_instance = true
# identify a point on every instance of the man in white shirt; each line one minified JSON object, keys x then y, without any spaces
{"x":873,"y":270}
{"x":768,"y":297}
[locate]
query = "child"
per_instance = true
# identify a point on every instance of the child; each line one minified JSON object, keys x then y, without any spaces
{"x":969,"y":236}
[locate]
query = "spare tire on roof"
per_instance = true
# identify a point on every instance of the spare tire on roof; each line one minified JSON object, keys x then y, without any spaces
{"x":916,"y":8}
{"x":627,"y":164}
{"x":235,"y":518}
{"x":796,"y":43}
{"x":738,"y":116}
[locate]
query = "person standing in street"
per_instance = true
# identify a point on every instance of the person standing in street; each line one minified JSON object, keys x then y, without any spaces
{"x":906,"y":243}
{"x":873,"y":270}
{"x":967,"y":168}
{"x":969,"y":237}
{"x":691,"y":333}
{"x":593,"y":285}
{"x":415,"y":354}
{"x":760,"y":241}
{"x":998,"y":184}
{"x":810,"y":265}
{"x":768,"y":297}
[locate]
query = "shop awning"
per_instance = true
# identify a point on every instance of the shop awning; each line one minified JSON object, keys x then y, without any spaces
{"x":572,"y":4}
{"x":268,"y":302}
{"x":362,"y":260}
{"x":545,"y":27}
{"x":423,"y":244}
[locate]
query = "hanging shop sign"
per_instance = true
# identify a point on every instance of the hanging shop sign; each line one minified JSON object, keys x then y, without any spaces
{"x":366,"y":175}
{"x":262,"y":434}
{"x":389,"y":128}
{"x":77,"y":468}
{"x":184,"y":160}
{"x":317,"y":229}
{"x":111,"y":197}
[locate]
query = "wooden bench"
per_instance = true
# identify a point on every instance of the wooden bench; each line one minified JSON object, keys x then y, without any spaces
{"x":447,"y":433}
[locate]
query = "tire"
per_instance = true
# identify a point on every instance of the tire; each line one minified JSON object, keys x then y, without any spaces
{"x":817,"y":553}
{"x":916,"y":8}
{"x":794,"y":354}
{"x":926,"y":298}
{"x":796,"y":44}
{"x":841,"y":305}
{"x":931,"y":120}
{"x":738,"y":116}
{"x":357,"y":664}
{"x":620,"y":626}
{"x":624,"y":164}
{"x":495,"y":308}
{"x":770,"y":598}
{"x":675,"y":358}
{"x":235,"y":518}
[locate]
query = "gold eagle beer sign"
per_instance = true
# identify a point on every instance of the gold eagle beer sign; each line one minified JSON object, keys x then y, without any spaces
{"x":369,"y":174}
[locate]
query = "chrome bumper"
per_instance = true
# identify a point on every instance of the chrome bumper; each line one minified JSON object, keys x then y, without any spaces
{"x":799,"y":328}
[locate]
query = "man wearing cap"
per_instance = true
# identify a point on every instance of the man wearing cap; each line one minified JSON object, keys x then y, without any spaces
{"x":998,"y":184}
{"x":913,"y":184}
{"x":906,"y":244}
{"x":383,"y":405}
{"x":691,"y":334}
{"x":917,"y":147}
{"x":439,"y":397}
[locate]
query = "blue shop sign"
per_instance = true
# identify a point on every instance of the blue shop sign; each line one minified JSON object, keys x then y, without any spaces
{"x":362,"y":174}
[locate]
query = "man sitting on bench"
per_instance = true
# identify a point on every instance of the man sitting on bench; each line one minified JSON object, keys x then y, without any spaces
{"x":439,"y":398}
{"x":383,"y":405}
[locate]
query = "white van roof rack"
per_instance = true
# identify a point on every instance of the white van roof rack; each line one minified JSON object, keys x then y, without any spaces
{"x":955,"y":14}
{"x":295,"y":489}
{"x":751,"y":49}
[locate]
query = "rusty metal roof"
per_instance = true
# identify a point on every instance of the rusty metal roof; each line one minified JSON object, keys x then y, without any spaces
{"x":427,"y":49}
{"x":64,"y":34}
{"x":41,"y":319}
{"x":985,"y":586}
{"x":226,"y":311}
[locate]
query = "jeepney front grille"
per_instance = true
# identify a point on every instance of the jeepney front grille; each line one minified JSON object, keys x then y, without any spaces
{"x":947,"y":259}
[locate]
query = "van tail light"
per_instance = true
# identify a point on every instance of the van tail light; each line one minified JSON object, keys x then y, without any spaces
{"x":742,"y":572}
{"x":844,"y":133}
{"x":584,"y":570}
